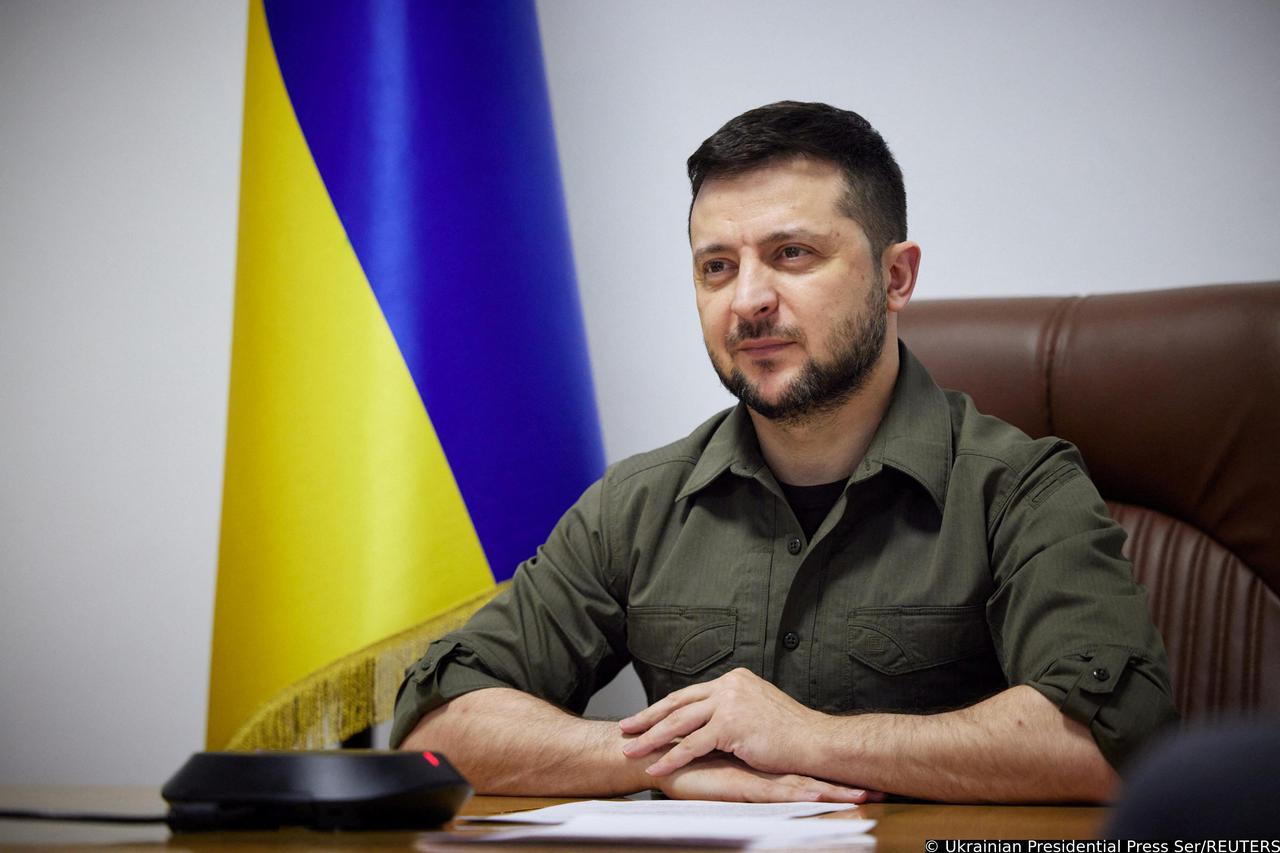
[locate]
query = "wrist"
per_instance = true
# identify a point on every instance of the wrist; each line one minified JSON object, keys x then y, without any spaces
{"x":827,"y":746}
{"x":633,"y":769}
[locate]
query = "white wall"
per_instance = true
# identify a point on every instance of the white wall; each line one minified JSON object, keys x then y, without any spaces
{"x":1048,"y":148}
{"x":119,"y":171}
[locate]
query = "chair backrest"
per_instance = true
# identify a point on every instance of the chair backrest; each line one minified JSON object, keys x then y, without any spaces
{"x":1173,"y":398}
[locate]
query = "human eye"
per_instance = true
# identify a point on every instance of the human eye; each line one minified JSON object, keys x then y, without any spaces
{"x":715,"y":269}
{"x":793,"y":253}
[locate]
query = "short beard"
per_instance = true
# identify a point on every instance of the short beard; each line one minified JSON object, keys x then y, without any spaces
{"x":820,"y":388}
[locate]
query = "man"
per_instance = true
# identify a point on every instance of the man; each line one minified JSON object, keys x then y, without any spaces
{"x":850,"y":583}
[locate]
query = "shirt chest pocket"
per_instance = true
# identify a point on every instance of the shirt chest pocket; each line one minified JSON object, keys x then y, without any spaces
{"x":673,"y":647}
{"x":920,"y":659}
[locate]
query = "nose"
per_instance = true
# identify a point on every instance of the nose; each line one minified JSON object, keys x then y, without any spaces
{"x":755,"y":296}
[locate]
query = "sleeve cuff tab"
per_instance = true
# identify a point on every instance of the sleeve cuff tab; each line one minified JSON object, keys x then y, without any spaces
{"x":1096,"y":682}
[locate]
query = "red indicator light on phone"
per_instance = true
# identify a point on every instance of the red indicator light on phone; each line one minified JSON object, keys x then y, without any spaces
{"x":435,"y":762}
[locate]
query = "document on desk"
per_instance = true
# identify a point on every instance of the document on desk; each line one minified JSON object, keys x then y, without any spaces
{"x":707,"y":809}
{"x":745,"y":833}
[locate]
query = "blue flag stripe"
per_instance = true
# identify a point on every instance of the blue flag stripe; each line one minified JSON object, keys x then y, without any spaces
{"x":431,"y":127}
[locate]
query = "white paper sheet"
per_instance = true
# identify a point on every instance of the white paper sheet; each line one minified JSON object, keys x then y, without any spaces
{"x":666,"y":808}
{"x":753,"y":833}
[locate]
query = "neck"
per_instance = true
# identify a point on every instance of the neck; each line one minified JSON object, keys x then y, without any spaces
{"x":828,"y":446}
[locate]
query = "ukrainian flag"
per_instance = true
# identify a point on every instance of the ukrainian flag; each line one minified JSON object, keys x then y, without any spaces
{"x":411,"y":406}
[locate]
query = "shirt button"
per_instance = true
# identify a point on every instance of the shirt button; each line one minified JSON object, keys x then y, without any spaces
{"x":791,"y":639}
{"x":794,"y":545}
{"x":1101,"y":674}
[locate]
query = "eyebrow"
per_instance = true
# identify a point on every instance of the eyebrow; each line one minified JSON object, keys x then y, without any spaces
{"x":794,"y":234}
{"x":713,"y":249}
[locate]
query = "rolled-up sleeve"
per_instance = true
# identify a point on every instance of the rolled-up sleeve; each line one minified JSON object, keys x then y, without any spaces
{"x":1067,"y":617}
{"x":558,"y":632}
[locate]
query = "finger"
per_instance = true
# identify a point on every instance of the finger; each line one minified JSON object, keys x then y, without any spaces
{"x":659,"y":710}
{"x":694,"y":746}
{"x":807,"y":789}
{"x":838,"y":794}
{"x":643,"y":720}
{"x":779,"y":790}
{"x":670,"y":730}
{"x":828,"y":792}
{"x":680,"y":723}
{"x":767,"y":791}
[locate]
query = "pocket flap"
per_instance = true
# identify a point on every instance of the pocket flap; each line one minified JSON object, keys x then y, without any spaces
{"x":896,"y":640}
{"x":681,"y":639}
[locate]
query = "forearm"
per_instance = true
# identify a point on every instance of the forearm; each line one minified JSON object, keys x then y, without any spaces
{"x":1015,"y":746}
{"x":508,"y":742}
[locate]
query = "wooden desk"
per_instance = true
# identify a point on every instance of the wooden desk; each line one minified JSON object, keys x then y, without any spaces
{"x":900,"y":828}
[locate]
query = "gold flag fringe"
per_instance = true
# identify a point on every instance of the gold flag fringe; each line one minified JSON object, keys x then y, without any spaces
{"x":352,"y":693}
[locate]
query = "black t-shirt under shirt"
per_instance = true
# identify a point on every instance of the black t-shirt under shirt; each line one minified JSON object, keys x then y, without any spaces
{"x":812,"y":503}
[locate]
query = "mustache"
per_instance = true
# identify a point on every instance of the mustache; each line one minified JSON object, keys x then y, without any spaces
{"x":767,"y":328}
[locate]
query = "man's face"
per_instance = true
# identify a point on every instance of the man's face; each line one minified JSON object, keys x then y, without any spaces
{"x":792,"y":302}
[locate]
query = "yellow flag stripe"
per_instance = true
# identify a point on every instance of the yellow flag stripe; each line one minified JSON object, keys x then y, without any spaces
{"x":342,"y":523}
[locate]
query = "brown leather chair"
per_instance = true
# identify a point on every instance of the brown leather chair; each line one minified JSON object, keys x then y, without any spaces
{"x":1173,"y":397}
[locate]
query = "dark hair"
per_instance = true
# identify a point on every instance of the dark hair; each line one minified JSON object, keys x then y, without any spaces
{"x":875,"y":197}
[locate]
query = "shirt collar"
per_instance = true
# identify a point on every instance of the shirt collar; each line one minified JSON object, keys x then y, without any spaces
{"x":733,"y":447}
{"x":914,"y":437}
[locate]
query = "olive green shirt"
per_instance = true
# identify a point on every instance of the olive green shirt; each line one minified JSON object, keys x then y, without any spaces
{"x":962,"y":558}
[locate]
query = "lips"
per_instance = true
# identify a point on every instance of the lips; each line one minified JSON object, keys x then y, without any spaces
{"x":763,"y":347}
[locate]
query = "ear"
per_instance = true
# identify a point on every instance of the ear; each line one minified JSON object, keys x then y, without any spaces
{"x":900,"y":263}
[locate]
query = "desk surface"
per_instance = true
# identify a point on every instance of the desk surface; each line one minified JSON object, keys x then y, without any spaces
{"x":900,"y":828}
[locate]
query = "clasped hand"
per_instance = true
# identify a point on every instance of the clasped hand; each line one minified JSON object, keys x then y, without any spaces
{"x":738,"y":714}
